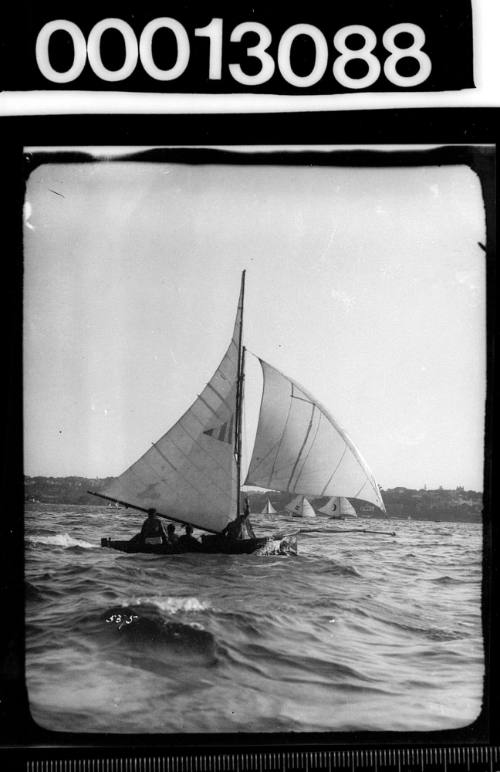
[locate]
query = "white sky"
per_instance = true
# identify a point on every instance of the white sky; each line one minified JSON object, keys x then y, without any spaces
{"x":365,"y":285}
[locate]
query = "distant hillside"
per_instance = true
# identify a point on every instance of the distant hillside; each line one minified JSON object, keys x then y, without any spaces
{"x":454,"y":505}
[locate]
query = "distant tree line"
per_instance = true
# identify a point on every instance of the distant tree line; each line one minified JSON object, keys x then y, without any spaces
{"x":438,"y":504}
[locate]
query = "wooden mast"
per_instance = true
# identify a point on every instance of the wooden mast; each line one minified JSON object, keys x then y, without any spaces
{"x":239,"y":397}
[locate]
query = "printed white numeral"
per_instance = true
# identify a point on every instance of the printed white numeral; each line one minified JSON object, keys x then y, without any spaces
{"x":320,"y":58}
{"x":213,"y":32}
{"x":259,"y":51}
{"x":414,"y":52}
{"x":42,"y":51}
{"x":349,"y":54}
{"x":146,"y":50}
{"x":94,"y":49}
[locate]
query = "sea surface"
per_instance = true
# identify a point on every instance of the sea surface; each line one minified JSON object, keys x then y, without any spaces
{"x":358,"y":632}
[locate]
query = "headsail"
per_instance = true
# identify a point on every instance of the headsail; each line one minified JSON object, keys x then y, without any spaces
{"x":268,"y":509}
{"x":338,"y":506}
{"x":190,"y":473}
{"x":300,"y":448}
{"x":301,"y":507}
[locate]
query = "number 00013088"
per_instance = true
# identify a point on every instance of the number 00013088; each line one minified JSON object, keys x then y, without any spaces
{"x":264,"y":65}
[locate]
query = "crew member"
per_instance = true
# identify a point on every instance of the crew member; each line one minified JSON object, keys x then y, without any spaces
{"x":187,"y":542}
{"x":171,"y":534}
{"x":240,"y":527}
{"x":153,"y":530}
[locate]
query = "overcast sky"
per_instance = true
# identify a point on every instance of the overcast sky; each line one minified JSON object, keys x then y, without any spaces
{"x":365,"y":285}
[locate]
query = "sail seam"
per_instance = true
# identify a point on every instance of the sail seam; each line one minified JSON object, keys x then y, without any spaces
{"x":210,"y":386}
{"x":356,"y":496}
{"x":187,"y":480}
{"x":309,"y":451}
{"x":183,"y":476}
{"x":155,"y":446}
{"x":334,"y":471}
{"x":302,"y":446}
{"x":207,"y":404}
{"x":280,"y":442}
{"x":206,"y":452}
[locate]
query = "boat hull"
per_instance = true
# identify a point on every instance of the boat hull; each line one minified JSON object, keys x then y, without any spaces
{"x":279,"y":545}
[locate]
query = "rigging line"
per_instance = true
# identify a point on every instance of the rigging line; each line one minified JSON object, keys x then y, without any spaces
{"x":356,"y":495}
{"x":302,"y":446}
{"x":257,"y":466}
{"x":311,"y":446}
{"x":335,"y":470}
{"x":128,"y":505}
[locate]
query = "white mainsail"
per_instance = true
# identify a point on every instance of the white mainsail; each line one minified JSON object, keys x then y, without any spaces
{"x":300,"y":448}
{"x":268,"y":509}
{"x":301,"y":507}
{"x":338,"y":506}
{"x":190,"y":473}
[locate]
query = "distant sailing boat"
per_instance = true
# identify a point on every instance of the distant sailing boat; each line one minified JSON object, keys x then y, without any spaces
{"x":268,"y":509}
{"x":192,"y":474}
{"x":301,"y":507}
{"x":338,"y":507}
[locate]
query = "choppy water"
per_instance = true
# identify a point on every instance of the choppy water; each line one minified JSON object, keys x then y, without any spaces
{"x":359,"y":632}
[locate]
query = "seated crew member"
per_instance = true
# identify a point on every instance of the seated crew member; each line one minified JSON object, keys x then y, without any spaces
{"x":187,"y":542}
{"x":153,"y":530}
{"x":171,"y":534}
{"x":240,"y":527}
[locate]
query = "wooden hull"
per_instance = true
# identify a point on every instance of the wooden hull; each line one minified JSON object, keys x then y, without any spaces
{"x":280,"y":545}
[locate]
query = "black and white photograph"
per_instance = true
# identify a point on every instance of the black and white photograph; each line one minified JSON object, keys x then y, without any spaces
{"x":254,"y":385}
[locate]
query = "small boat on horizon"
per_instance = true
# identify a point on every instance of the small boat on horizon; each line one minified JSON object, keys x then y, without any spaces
{"x":338,"y":508}
{"x":193,"y":473}
{"x":268,"y":509}
{"x":301,"y":507}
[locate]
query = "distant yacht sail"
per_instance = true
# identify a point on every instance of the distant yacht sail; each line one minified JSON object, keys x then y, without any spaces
{"x":338,"y":506}
{"x":268,"y":509}
{"x":301,"y":507}
{"x":192,"y":473}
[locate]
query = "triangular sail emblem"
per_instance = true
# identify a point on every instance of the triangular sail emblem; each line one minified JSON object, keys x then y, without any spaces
{"x":222,"y":432}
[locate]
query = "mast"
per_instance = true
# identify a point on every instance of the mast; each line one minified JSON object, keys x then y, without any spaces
{"x":239,"y":397}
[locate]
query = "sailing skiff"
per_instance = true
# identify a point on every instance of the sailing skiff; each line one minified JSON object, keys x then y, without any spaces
{"x":192,"y":474}
{"x":338,"y":508}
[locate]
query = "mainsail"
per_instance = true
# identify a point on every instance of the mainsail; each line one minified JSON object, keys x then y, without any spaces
{"x":300,"y":448}
{"x":268,"y":509}
{"x":338,"y":506}
{"x":190,"y":474}
{"x":301,"y":507}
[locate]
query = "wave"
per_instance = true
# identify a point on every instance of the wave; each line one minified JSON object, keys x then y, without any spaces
{"x":60,"y":540}
{"x":445,"y":579}
{"x":170,"y":604}
{"x":156,"y":643}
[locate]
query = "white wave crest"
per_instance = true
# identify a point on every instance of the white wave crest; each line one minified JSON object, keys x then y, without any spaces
{"x":60,"y":540}
{"x":171,"y":605}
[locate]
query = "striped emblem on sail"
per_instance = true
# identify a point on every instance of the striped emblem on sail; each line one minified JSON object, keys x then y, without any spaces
{"x":223,"y":432}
